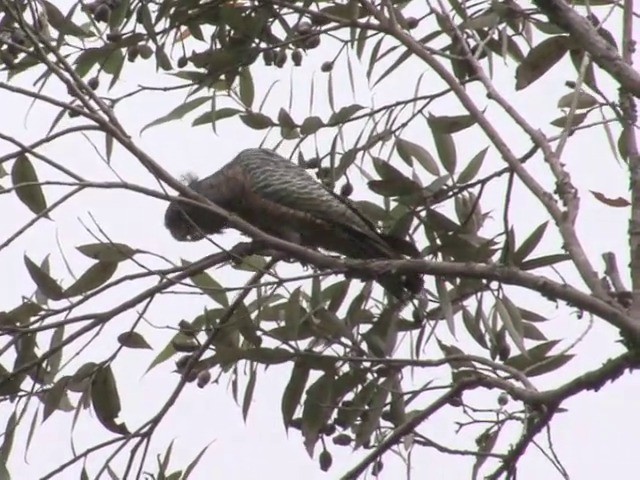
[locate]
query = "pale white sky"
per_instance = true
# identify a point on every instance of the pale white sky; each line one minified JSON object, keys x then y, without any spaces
{"x":596,"y":438}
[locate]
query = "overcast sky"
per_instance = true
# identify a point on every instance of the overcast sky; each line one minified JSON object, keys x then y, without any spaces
{"x":594,"y":439}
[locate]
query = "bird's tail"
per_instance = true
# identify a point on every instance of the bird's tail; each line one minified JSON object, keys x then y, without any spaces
{"x":399,"y":285}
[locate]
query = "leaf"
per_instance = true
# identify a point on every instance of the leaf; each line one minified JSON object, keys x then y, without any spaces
{"x":133,"y":340}
{"x":374,"y":412}
{"x":194,"y":463}
{"x":540,"y":59}
{"x":62,"y":24}
{"x":246,"y":88}
{"x":612,"y":202}
{"x":31,"y":195}
{"x":89,"y":57}
{"x":267,"y":356}
{"x":473,"y":167}
{"x":532,"y":356}
{"x":488,"y":19}
{"x":167,"y":352}
{"x":311,"y":125}
{"x":214,"y":115}
{"x":256,"y":120}
{"x":248,"y":393}
{"x":348,"y":416}
{"x":512,"y":321}
{"x":532,"y":332}
{"x":285,"y":120}
{"x":452,"y":351}
{"x":336,"y":294}
{"x":344,"y":114}
{"x":406,"y":54}
{"x":178,"y":112}
{"x":55,"y":345}
{"x":293,"y":391}
{"x":209,"y":286}
{"x":162,"y":59}
{"x":54,"y":397}
{"x":451,"y":124}
{"x":582,"y":99}
{"x":530,"y":243}
{"x":22,"y":313}
{"x":7,"y":441}
{"x":589,"y":75}
{"x":445,"y":304}
{"x":107,"y":252}
{"x":446,"y":149}
{"x":112,"y":64}
{"x":545,"y":261}
{"x":472,"y":324}
{"x":409,"y":150}
{"x":317,"y":410}
{"x":550,"y":364}
{"x":569,"y":120}
{"x":95,"y":276}
{"x":393,"y":188}
{"x":47,"y":285}
{"x":106,"y":401}
{"x":485,"y":441}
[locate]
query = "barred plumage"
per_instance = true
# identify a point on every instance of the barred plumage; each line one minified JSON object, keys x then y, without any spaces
{"x":282,"y":199}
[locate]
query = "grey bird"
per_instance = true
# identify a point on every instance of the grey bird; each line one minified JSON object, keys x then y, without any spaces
{"x":283,"y":200}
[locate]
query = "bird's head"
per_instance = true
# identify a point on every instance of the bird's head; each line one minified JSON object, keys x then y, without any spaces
{"x":181,"y":218}
{"x":188,"y":222}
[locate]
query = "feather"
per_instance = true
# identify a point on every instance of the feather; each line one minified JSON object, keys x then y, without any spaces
{"x":282,"y":199}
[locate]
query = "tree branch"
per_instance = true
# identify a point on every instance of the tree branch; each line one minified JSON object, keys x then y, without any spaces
{"x":603,"y":53}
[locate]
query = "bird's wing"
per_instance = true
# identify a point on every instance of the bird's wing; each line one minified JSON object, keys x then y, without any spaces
{"x":279,"y":181}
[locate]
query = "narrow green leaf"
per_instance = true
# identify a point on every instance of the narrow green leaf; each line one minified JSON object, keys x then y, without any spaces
{"x":7,"y":441}
{"x":344,"y":114}
{"x":374,"y":412}
{"x":317,"y":410}
{"x":107,"y":252}
{"x":445,"y":304}
{"x":133,"y":340}
{"x":31,"y":195}
{"x":209,"y":286}
{"x":90,"y":57}
{"x":446,"y":150}
{"x":582,"y":99}
{"x":311,"y":125}
{"x":47,"y":285}
{"x":570,"y":121}
{"x":540,"y":59}
{"x":285,"y":120}
{"x":545,"y":261}
{"x":256,"y":120}
{"x":214,"y":115}
{"x":409,"y":150}
{"x":95,"y":276}
{"x":194,"y":463}
{"x":529,"y":244}
{"x":293,"y":391}
{"x":162,"y":59}
{"x":451,"y":124}
{"x":267,"y":356}
{"x":106,"y":400}
{"x":178,"y":112}
{"x":248,"y":393}
{"x":473,"y":167}
{"x":247,"y":90}
{"x":63,"y":24}
{"x":512,"y":322}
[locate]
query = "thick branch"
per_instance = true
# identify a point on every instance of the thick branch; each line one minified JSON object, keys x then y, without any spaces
{"x":603,"y":53}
